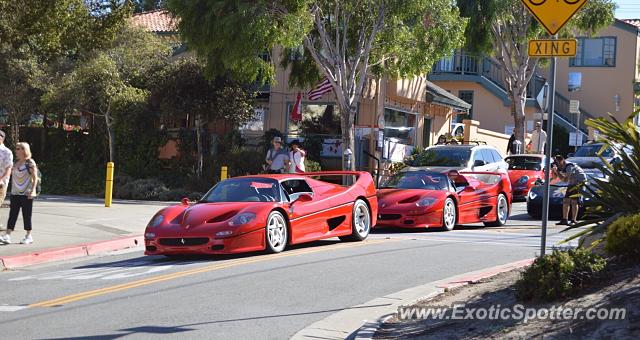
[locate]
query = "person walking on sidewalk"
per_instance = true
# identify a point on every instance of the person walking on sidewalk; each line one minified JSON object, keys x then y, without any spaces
{"x":296,"y":157}
{"x":24,"y":183}
{"x":6,"y":162}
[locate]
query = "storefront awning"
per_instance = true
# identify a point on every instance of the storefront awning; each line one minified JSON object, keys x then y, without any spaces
{"x":440,"y":96}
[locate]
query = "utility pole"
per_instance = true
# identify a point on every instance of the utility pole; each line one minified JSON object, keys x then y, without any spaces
{"x":548,"y":152}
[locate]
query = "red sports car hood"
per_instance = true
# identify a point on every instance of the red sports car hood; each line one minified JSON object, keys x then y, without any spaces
{"x":515,"y":175}
{"x":202,"y":213}
{"x":389,"y":197}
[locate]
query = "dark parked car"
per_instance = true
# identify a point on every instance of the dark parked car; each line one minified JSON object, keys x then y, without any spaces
{"x":557,"y":191}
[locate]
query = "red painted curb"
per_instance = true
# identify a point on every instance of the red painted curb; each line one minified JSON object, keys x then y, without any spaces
{"x":117,"y":244}
{"x":490,"y":272}
{"x":70,"y":252}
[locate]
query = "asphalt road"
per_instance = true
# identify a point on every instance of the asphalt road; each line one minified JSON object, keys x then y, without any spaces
{"x":253,"y":296}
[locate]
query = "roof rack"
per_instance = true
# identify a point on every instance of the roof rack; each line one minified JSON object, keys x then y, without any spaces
{"x":477,"y":142}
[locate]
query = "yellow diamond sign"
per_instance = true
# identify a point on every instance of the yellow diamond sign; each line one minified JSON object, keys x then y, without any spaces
{"x":553,"y":14}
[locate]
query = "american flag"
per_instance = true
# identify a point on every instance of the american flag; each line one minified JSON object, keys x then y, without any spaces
{"x":320,"y":89}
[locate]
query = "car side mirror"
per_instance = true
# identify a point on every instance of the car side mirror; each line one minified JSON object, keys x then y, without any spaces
{"x":539,"y":182}
{"x":302,"y":198}
{"x":479,"y":162}
{"x":185,"y":201}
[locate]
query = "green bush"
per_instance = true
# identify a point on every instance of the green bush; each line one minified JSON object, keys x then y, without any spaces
{"x":558,"y":275}
{"x":138,"y":189}
{"x":396,"y":167}
{"x":312,"y":166}
{"x":623,"y":237}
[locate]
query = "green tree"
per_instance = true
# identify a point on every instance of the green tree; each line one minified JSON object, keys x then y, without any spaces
{"x":112,"y":82}
{"x":502,"y":28}
{"x":345,"y":41}
{"x":34,"y":34}
{"x":183,"y":90}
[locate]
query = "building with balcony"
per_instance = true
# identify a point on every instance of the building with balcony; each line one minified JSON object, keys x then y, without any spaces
{"x":607,"y":64}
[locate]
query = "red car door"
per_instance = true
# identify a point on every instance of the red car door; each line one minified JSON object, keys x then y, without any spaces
{"x":472,"y":200}
{"x":305,"y":216}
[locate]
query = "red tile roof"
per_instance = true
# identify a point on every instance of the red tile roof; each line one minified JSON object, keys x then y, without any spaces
{"x":158,"y":21}
{"x":634,"y":22}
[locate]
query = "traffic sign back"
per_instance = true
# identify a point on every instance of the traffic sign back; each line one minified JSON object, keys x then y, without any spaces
{"x":553,"y":14}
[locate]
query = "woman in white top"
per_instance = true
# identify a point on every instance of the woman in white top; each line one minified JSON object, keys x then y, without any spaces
{"x":24,"y":179}
{"x":296,"y":157}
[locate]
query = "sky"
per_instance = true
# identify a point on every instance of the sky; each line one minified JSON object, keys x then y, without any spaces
{"x":628,"y":9}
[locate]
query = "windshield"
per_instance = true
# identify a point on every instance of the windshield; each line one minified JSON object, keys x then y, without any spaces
{"x":418,"y":180}
{"x":244,"y":190}
{"x":524,"y":163}
{"x":592,"y":151}
{"x":438,"y":156}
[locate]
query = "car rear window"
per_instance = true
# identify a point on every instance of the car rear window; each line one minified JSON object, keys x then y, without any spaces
{"x":439,"y":156}
{"x":524,"y":163}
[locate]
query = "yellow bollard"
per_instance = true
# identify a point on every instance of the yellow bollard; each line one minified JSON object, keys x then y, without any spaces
{"x":108,"y":191}
{"x":223,"y":173}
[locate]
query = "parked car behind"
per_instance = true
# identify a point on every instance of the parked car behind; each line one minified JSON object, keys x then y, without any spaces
{"x":587,"y":158}
{"x":524,"y":170}
{"x":467,"y":157}
{"x":557,"y":191}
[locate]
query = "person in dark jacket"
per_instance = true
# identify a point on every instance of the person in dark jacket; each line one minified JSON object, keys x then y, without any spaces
{"x":511,"y":146}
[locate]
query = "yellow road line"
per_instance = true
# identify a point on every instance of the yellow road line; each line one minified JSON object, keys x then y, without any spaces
{"x":209,"y":268}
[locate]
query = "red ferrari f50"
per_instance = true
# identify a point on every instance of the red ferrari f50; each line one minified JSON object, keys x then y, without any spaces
{"x":266,"y":212}
{"x":424,"y":199}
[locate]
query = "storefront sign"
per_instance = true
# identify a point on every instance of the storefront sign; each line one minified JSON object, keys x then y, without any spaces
{"x":396,"y":152}
{"x":257,"y":122}
{"x":331,"y":147}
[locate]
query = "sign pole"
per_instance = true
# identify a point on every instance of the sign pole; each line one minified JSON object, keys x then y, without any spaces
{"x":548,"y":153}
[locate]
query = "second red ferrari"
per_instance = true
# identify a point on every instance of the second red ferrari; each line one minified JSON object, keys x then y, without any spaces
{"x":425,"y":199}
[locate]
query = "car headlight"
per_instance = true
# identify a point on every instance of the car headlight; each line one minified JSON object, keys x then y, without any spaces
{"x":523,"y":180}
{"x":427,"y":201}
{"x":156,"y":221}
{"x":241,"y":219}
{"x":532,"y":195}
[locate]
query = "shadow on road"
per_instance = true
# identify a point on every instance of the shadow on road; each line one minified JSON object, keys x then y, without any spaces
{"x":187,"y":327}
{"x":159,"y":260}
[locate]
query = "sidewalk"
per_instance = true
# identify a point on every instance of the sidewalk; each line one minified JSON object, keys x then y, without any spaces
{"x":62,"y":222}
{"x":362,"y":321}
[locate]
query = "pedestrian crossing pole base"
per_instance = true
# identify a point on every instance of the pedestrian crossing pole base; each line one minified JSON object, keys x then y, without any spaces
{"x":108,"y":190}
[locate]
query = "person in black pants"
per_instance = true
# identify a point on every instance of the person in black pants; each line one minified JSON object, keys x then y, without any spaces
{"x":24,"y":179}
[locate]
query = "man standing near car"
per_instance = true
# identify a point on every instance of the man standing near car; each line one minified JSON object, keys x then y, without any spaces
{"x":538,"y":140}
{"x":575,"y":177}
{"x":277,"y":157}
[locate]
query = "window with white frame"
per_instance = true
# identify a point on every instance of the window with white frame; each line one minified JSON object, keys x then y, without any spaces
{"x":595,"y":52}
{"x":399,"y":126}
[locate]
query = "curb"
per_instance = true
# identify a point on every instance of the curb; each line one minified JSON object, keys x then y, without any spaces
{"x":362,"y":321}
{"x":70,"y":252}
